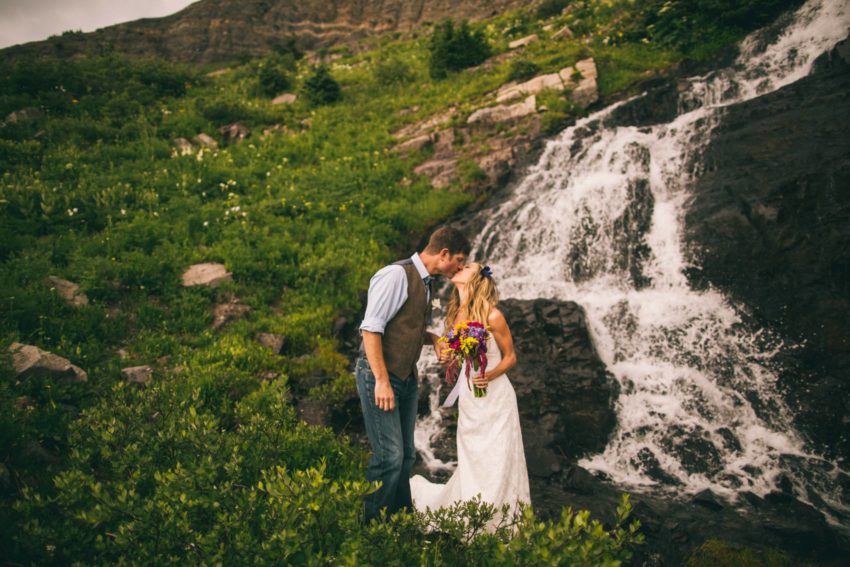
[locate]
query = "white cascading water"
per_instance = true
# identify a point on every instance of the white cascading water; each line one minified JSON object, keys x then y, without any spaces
{"x":599,"y":221}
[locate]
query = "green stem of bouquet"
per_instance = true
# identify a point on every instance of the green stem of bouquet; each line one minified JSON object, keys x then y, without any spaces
{"x":476,"y":391}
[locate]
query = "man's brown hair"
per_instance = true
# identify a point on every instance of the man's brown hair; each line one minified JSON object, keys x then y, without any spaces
{"x":448,"y":237}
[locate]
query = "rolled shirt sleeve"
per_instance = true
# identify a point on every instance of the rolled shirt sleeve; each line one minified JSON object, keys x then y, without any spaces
{"x":387,"y":293}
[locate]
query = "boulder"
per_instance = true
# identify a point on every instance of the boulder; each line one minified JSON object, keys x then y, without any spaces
{"x":425,"y":126}
{"x":69,"y":291}
{"x":564,"y":33}
{"x":206,"y":141}
{"x":532,"y":86}
{"x":586,"y":91}
{"x":566,"y":395}
{"x":272,"y":342}
{"x":312,"y":412}
{"x":183,"y":146}
{"x":415,"y":145}
{"x":23,"y":115}
{"x":504,"y":113}
{"x":497,"y":164}
{"x":523,"y":41}
{"x":210,"y":274}
{"x":32,"y":362}
{"x":442,"y":172}
{"x":287,"y":98}
{"x":581,"y":79}
{"x":235,"y":132}
{"x":225,"y":313}
{"x":138,"y":374}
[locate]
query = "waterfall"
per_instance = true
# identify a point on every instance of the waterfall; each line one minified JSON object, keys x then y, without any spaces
{"x":599,"y":221}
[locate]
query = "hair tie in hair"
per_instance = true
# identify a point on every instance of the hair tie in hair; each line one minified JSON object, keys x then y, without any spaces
{"x":486,"y":272}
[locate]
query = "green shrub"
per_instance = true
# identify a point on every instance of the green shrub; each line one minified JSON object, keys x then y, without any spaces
{"x":703,"y":25}
{"x":549,"y":8}
{"x":393,"y":71}
{"x":522,"y":70}
{"x":470,"y":172}
{"x":273,"y":78}
{"x":454,"y":48}
{"x":221,"y":112}
{"x":321,"y":88}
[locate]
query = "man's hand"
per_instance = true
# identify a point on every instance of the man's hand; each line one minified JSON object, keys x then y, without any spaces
{"x":384,"y":396}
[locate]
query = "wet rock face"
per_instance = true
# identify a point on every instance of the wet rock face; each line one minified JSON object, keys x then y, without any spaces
{"x":770,"y":224}
{"x":565,"y":395}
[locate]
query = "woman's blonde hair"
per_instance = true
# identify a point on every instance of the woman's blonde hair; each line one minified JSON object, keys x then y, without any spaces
{"x":481,"y":297}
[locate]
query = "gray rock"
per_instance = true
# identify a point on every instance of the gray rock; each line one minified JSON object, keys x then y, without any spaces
{"x":235,"y":132}
{"x":271,"y":341}
{"x":504,"y":113}
{"x":69,"y":291}
{"x":586,"y":91}
{"x":442,"y":172}
{"x":414,"y":145}
{"x":206,"y":141}
{"x":566,"y":396}
{"x":23,"y":115}
{"x":287,"y":98}
{"x":210,"y":274}
{"x":564,"y":33}
{"x":580,"y":79}
{"x":523,"y":41}
{"x":138,"y":374}
{"x":183,"y":146}
{"x":225,"y":313}
{"x":32,"y":362}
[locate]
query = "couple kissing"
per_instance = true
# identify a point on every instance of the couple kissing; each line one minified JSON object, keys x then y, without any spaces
{"x":396,"y":326}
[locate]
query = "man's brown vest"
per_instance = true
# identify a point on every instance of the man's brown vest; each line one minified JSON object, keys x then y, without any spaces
{"x":404,"y":334}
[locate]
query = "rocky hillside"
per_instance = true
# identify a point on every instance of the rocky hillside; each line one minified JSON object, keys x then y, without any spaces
{"x":221,"y":30}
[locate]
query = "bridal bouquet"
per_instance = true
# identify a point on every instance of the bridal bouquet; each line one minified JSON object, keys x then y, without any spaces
{"x":467,"y":342}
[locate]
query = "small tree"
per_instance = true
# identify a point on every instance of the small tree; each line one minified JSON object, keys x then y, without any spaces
{"x":549,"y":8}
{"x":321,"y":88}
{"x":273,"y":79}
{"x":455,"y":48}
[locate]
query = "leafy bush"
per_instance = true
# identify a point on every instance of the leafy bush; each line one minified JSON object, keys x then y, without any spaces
{"x":393,"y":71}
{"x":522,"y":70}
{"x":549,"y":8}
{"x":321,"y":88}
{"x":273,"y":76}
{"x":700,"y":25}
{"x":454,"y":48}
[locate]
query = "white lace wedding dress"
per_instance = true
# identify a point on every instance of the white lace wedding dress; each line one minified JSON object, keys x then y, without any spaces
{"x":490,"y":456}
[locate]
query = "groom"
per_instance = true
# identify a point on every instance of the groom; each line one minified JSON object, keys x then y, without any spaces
{"x":394,"y":330}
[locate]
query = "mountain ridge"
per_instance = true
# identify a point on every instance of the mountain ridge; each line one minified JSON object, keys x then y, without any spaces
{"x":214,"y":31}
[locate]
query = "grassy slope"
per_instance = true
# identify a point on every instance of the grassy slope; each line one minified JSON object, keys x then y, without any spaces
{"x":91,"y":192}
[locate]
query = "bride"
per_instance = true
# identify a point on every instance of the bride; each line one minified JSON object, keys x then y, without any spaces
{"x":490,"y":456}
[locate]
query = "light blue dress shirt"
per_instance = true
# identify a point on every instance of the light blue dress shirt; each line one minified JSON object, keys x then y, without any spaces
{"x":387,"y":293}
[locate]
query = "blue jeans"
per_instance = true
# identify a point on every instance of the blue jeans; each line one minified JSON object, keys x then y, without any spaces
{"x":391,"y":437}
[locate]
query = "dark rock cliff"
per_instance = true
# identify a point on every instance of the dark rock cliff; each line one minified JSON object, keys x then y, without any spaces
{"x":770,"y":224}
{"x":222,"y":30}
